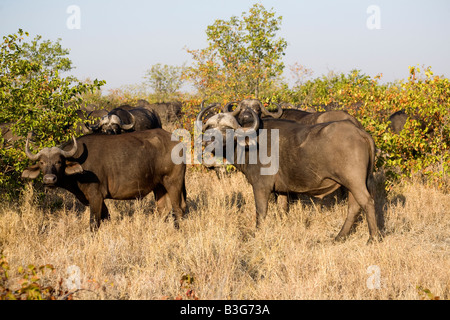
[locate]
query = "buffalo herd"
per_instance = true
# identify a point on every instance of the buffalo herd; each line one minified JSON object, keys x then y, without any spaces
{"x":126,"y":153}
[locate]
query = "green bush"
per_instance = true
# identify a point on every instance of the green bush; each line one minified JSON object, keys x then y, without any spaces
{"x":34,"y":97}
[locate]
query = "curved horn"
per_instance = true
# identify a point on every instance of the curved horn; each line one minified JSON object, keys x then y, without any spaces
{"x":95,"y":127}
{"x":276,"y":114}
{"x":71,"y":152}
{"x":130,"y":125}
{"x":255,"y":125}
{"x":203,"y":111}
{"x":104,"y":118}
{"x":92,"y":127}
{"x":227,"y":107}
{"x":29,"y":154}
{"x":236,"y":111}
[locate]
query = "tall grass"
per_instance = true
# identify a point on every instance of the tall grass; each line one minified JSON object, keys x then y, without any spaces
{"x":139,"y":255}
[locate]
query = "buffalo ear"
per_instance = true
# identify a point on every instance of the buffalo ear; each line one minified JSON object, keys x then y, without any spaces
{"x":31,"y":172}
{"x":73,"y":168}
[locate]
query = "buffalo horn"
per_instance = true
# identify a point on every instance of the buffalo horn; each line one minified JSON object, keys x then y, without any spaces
{"x":227,"y":107}
{"x":255,"y":120}
{"x":276,"y":114}
{"x":130,"y":125}
{"x":29,"y":154}
{"x":71,"y":152}
{"x":203,"y":111}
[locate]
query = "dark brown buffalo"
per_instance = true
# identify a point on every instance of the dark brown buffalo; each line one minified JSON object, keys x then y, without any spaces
{"x":397,"y":121}
{"x":128,"y":166}
{"x":88,"y":117}
{"x":98,"y":113}
{"x":121,"y":120}
{"x":300,"y":116}
{"x":169,"y":112}
{"x":313,"y":160}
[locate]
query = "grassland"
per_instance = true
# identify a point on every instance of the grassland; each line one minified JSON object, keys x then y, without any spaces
{"x":219,"y":253}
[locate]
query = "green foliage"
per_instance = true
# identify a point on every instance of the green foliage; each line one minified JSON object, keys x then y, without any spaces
{"x":426,"y":294}
{"x":165,"y":80}
{"x":34,"y":97}
{"x":243,"y":57}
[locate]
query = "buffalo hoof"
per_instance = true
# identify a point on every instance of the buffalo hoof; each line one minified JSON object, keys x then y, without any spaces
{"x":171,"y":215}
{"x":339,"y":238}
{"x":375,"y":239}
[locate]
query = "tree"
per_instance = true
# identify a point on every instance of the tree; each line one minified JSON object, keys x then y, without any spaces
{"x":299,"y":73}
{"x":243,"y":57}
{"x":35,"y":98}
{"x":165,"y":80}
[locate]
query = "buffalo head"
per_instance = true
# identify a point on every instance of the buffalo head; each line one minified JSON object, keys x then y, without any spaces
{"x":221,"y":122}
{"x":248,"y":105}
{"x":112,"y":124}
{"x":53,"y":164}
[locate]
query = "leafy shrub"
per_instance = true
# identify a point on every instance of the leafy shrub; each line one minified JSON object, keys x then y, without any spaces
{"x":34,"y":97}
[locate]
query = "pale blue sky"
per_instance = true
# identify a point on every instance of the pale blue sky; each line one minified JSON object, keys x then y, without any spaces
{"x":119,"y":40}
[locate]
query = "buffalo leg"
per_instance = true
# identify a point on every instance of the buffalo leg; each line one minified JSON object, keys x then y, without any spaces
{"x":162,"y":200}
{"x":366,"y":202}
{"x":105,"y":213}
{"x":261,"y":203}
{"x":99,"y":212}
{"x":175,"y":194}
{"x":183,"y":198}
{"x":283,"y":203}
{"x":353,"y":212}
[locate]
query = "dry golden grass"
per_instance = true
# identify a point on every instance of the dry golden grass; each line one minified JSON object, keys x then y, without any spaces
{"x":138,"y":255}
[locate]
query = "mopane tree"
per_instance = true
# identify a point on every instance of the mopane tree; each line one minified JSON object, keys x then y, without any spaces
{"x":243,"y":57}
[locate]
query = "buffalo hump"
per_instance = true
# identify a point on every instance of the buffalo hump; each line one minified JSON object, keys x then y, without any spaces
{"x":169,"y":112}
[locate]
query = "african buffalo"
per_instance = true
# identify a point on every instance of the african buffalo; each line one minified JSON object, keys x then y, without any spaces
{"x":128,"y":166}
{"x":121,"y":120}
{"x":312,"y":159}
{"x":297,"y":115}
{"x":397,"y":121}
{"x":170,"y":112}
{"x":300,"y":116}
{"x":86,"y":118}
